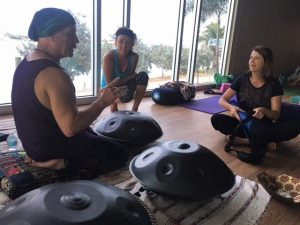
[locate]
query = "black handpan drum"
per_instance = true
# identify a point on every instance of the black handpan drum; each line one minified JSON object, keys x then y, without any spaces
{"x":76,"y":202}
{"x":129,"y":127}
{"x":182,"y":170}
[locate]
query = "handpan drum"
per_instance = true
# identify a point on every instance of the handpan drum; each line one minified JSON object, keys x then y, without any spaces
{"x":182,"y":170}
{"x":76,"y":202}
{"x":129,"y":127}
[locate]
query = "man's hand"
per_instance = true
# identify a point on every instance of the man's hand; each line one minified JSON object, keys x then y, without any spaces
{"x":108,"y":95}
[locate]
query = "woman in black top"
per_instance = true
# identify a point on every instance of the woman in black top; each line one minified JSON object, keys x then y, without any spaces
{"x":259,"y":94}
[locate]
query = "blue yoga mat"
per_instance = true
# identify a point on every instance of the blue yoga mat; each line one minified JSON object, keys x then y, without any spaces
{"x":208,"y":105}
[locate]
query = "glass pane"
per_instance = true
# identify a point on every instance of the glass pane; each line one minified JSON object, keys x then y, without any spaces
{"x":111,"y":20}
{"x":187,"y":37}
{"x":14,"y":43}
{"x":214,"y":18}
{"x":155,"y":23}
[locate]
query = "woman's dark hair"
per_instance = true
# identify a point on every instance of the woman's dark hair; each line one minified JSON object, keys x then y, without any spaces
{"x":126,"y":31}
{"x":267,"y":55}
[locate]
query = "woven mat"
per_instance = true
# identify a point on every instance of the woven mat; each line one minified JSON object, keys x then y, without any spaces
{"x":244,"y":204}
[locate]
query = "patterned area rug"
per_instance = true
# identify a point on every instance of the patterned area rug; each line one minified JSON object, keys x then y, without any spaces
{"x":6,"y":126}
{"x":244,"y":204}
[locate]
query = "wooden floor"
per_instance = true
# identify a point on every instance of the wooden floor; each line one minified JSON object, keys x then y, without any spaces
{"x":179,"y":123}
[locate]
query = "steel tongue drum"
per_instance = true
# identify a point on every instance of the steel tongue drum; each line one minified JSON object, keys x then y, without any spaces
{"x":75,"y":202}
{"x":183,"y":170}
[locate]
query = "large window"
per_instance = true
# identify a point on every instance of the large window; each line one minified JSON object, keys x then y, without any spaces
{"x":211,"y":39}
{"x":15,"y":17}
{"x":177,"y":39}
{"x":111,"y":20}
{"x":187,"y":38}
{"x":180,"y":40}
{"x":155,"y":23}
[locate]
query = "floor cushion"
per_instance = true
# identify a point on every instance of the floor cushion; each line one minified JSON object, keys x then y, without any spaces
{"x":17,"y":178}
{"x":174,"y":92}
{"x":167,"y":96}
{"x":289,"y":111}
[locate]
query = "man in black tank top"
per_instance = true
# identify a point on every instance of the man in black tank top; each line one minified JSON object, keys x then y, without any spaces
{"x":49,"y":124}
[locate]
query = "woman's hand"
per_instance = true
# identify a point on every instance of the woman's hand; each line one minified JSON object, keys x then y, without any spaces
{"x":234,"y":112}
{"x":259,"y":112}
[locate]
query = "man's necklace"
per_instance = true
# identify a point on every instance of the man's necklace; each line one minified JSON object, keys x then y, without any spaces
{"x":49,"y":55}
